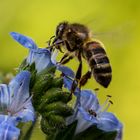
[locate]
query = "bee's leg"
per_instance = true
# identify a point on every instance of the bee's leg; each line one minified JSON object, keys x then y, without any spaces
{"x":79,"y":71}
{"x":55,"y":44}
{"x":78,"y":75}
{"x":66,"y":60}
{"x":68,"y":47}
{"x":85,"y":78}
{"x":64,"y":57}
{"x":59,"y":48}
{"x":50,"y":40}
{"x":49,"y":43}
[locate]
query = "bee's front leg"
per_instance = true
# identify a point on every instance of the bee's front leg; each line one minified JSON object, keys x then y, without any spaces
{"x":50,"y":40}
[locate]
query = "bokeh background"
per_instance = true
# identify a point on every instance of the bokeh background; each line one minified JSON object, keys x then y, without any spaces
{"x":115,"y":23}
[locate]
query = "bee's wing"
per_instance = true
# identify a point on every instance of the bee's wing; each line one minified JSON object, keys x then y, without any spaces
{"x":118,"y":35}
{"x":24,"y":40}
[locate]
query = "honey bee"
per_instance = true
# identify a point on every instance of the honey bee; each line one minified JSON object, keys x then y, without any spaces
{"x":77,"y":41}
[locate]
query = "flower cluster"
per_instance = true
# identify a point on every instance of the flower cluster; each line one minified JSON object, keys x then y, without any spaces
{"x":89,"y":112}
{"x":45,"y":87}
{"x":15,"y":106}
{"x":36,"y":87}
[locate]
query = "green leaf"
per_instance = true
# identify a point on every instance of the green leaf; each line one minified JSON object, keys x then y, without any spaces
{"x":65,"y":134}
{"x":93,"y":133}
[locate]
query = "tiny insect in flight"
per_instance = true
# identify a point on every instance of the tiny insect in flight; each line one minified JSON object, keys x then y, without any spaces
{"x":78,"y":42}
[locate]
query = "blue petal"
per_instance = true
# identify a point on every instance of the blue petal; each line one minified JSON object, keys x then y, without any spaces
{"x":108,"y":122}
{"x":53,"y":56}
{"x":21,"y":95}
{"x":21,"y":103}
{"x":89,"y":100}
{"x":24,"y":40}
{"x":11,"y":120}
{"x":9,"y":132}
{"x":3,"y":118}
{"x":21,"y":81}
{"x":5,"y":97}
{"x":119,"y":134}
{"x":84,"y":120}
{"x":68,"y":84}
{"x":27,"y":114}
{"x":66,"y":70}
{"x":41,"y":57}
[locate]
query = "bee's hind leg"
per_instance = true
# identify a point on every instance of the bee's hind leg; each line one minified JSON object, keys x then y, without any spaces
{"x":78,"y":75}
{"x":85,"y":78}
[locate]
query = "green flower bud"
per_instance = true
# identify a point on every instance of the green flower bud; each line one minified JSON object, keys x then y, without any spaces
{"x":23,"y":65}
{"x":57,"y":82}
{"x":56,"y":121}
{"x":42,"y":83}
{"x":46,"y":128}
{"x":58,"y":108}
{"x":53,"y":95}
{"x":50,"y":70}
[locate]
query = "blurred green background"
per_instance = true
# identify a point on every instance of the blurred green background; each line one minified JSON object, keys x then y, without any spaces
{"x":115,"y":23}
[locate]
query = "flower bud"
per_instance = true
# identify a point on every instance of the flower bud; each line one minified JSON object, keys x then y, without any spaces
{"x":58,"y":108}
{"x":53,"y":95}
{"x":57,"y":82}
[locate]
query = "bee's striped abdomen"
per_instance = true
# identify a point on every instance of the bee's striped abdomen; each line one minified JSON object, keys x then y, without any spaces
{"x":98,"y":62}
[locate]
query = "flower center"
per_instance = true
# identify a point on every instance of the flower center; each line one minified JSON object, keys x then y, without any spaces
{"x":104,"y":107}
{"x":13,"y":109}
{"x":92,"y":112}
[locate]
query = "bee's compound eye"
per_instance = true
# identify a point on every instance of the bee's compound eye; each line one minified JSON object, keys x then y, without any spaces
{"x":59,"y":29}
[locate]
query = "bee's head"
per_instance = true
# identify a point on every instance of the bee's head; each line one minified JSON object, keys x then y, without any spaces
{"x":58,"y":38}
{"x":61,"y":29}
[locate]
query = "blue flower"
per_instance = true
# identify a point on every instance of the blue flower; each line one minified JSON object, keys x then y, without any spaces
{"x":15,"y":106}
{"x":88,"y":112}
{"x":68,"y":81}
{"x":42,"y":57}
{"x":8,"y":132}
